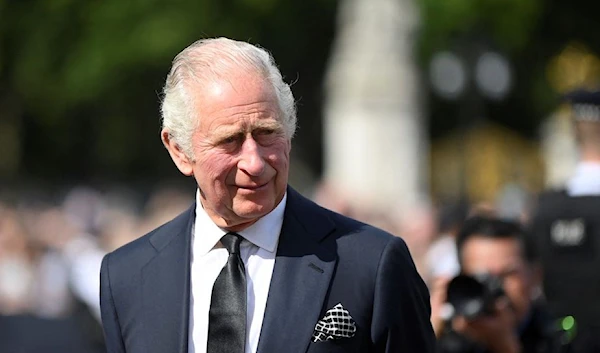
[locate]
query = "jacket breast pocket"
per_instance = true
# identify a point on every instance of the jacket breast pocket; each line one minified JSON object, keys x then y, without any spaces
{"x":343,"y":345}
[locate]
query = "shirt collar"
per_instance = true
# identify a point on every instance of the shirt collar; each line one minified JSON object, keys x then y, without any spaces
{"x":264,"y":233}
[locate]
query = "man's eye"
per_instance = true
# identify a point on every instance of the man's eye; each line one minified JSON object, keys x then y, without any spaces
{"x":266,"y":131}
{"x":229,"y":140}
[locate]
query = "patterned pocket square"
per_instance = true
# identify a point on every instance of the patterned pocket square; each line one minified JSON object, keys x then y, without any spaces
{"x":336,"y":324}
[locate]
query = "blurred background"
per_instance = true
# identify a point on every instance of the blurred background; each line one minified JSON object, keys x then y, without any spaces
{"x":406,"y":109}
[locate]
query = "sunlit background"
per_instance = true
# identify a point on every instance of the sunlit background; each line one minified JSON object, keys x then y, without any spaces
{"x":403,"y":106}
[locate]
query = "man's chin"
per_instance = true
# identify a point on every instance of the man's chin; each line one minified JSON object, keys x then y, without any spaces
{"x":249,"y":209}
{"x":246,"y":217}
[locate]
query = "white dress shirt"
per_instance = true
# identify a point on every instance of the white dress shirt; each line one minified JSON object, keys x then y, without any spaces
{"x":208,"y":259}
{"x":586,"y":180}
{"x":442,"y":258}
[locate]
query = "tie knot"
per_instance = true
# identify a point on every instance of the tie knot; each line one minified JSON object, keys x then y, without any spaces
{"x":231,"y":242}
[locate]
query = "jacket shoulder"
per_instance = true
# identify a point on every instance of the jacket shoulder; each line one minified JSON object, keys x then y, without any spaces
{"x":360,"y":233}
{"x":344,"y":225}
{"x":135,"y":254}
{"x":355,"y":239}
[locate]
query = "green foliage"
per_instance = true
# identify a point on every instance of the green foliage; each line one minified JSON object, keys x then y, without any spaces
{"x":88,"y":74}
{"x":69,"y":52}
{"x":506,"y":23}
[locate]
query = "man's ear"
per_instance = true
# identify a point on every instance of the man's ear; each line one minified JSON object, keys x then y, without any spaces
{"x":181,"y":160}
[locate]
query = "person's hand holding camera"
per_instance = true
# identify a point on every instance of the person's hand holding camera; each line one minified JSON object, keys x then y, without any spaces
{"x":495,"y":331}
{"x":438,"y":300}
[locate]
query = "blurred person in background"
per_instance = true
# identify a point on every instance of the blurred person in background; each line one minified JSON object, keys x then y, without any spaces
{"x":442,"y":262}
{"x":200,"y":283}
{"x":49,"y":232}
{"x":441,"y":259}
{"x":17,"y":270}
{"x":103,"y":222}
{"x":38,"y":311}
{"x":164,"y":204}
{"x":417,"y":226}
{"x":491,"y":306}
{"x":330,"y":197}
{"x":565,"y":230}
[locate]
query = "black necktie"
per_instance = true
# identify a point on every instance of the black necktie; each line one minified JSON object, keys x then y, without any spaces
{"x":227,"y":315}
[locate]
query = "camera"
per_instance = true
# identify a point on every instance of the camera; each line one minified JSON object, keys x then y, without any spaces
{"x":473,"y":296}
{"x":470,"y":297}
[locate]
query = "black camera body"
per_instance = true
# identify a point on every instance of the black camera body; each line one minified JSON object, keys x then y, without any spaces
{"x":470,"y":297}
{"x":473,"y":296}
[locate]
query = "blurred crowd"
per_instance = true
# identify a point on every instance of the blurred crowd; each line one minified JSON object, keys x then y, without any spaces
{"x":51,"y":248}
{"x":428,"y":228}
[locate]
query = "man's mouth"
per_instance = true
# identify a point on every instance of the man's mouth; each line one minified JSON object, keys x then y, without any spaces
{"x":252,"y":187}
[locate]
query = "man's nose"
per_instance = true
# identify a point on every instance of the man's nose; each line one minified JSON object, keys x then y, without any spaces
{"x":251,"y":160}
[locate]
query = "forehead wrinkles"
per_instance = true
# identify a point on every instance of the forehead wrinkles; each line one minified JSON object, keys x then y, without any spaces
{"x":239,"y":114}
{"x":243,"y":126}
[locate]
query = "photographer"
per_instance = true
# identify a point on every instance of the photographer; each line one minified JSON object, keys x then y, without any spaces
{"x":490,"y":306}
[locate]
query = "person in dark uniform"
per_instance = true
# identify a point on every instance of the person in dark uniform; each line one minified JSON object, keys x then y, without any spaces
{"x":565,"y":230}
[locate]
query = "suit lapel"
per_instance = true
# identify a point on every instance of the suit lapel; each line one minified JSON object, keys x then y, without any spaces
{"x":166,"y":287}
{"x":304,"y":265}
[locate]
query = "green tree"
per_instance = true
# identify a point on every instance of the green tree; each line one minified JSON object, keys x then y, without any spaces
{"x":86,"y":75}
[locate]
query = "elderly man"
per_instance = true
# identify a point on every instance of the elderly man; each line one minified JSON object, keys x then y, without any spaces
{"x":254,"y":266}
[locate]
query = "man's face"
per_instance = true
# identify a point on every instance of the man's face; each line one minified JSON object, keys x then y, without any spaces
{"x":241,"y":152}
{"x":502,"y":258}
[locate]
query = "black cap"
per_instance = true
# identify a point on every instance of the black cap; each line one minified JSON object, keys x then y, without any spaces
{"x":585,"y":105}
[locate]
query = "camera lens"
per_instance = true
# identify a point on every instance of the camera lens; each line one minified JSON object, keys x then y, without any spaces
{"x":466,"y":295}
{"x":473,"y":296}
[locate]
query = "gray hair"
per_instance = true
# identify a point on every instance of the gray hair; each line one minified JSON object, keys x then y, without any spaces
{"x":209,"y":59}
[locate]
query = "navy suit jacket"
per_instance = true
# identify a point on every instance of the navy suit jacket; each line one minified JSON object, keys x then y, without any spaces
{"x":323,"y":259}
